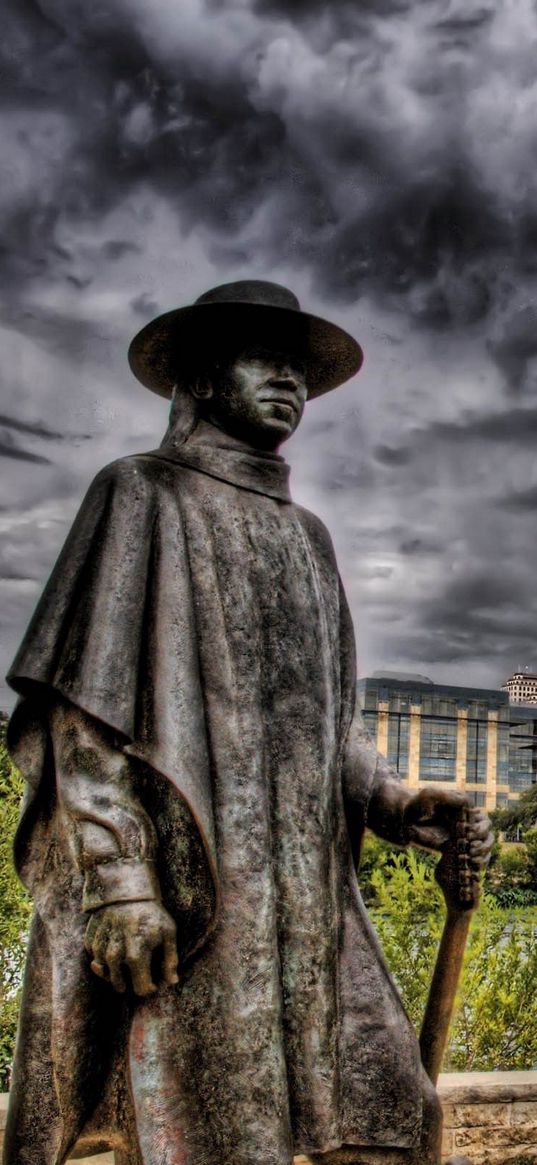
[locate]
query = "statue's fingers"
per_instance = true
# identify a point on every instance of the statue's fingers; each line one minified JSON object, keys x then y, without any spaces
{"x":478,"y":863}
{"x":95,"y":942}
{"x":96,"y":936}
{"x":170,"y":960}
{"x":481,"y":844}
{"x":429,"y":836}
{"x":99,"y":969}
{"x":114,"y":961}
{"x":478,"y":826}
{"x":138,"y":960}
{"x":479,"y":849}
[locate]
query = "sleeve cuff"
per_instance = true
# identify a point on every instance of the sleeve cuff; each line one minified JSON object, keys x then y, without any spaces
{"x":121,"y":881}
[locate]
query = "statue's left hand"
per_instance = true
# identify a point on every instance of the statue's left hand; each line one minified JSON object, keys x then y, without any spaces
{"x":430,"y":818}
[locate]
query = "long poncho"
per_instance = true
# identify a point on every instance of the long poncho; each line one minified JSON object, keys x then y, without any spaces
{"x":198,"y":614}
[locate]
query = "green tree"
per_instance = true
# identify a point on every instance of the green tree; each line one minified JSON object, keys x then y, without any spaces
{"x":523,"y":813}
{"x":14,"y":911}
{"x":530,"y":845}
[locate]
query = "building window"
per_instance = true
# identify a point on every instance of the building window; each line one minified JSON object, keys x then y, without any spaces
{"x":522,"y":755}
{"x":476,"y":754}
{"x":398,"y":738}
{"x":399,"y":702}
{"x":370,"y":721}
{"x":438,"y":749}
{"x":475,"y":797}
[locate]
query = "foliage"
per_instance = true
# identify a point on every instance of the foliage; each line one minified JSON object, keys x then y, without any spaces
{"x":14,"y":914}
{"x":523,"y":813}
{"x":496,"y":1022}
{"x":408,"y":918}
{"x":495,"y":1026}
{"x":530,"y":846}
{"x":512,"y":874}
{"x":513,"y":864}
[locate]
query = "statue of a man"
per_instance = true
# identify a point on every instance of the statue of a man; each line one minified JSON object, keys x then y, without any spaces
{"x":203,"y":984}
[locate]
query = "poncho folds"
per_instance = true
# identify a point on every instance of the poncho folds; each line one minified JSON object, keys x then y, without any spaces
{"x":197,"y":613}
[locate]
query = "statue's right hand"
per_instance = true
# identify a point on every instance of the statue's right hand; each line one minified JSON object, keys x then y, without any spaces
{"x":128,"y":935}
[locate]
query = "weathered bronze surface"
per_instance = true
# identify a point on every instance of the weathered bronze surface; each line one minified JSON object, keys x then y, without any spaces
{"x":203,"y":984}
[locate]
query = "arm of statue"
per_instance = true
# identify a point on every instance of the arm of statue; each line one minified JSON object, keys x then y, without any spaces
{"x":425,"y":818}
{"x":114,"y":844}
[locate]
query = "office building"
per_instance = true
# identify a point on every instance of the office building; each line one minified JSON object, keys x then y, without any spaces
{"x":472,"y":739}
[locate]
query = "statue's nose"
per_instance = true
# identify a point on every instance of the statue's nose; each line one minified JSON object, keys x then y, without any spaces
{"x":285,"y":379}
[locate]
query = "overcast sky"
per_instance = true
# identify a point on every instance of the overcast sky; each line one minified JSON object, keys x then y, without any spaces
{"x":377,"y":157}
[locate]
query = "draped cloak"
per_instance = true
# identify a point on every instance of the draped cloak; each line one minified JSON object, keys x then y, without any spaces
{"x":197,"y":613}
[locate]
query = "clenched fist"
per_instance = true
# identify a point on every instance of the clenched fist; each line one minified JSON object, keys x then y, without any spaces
{"x":130,"y":936}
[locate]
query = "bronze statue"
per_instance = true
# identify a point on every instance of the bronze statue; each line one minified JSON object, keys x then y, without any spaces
{"x":203,"y":984}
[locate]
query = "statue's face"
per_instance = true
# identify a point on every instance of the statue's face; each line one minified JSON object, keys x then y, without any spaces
{"x":260,"y":397}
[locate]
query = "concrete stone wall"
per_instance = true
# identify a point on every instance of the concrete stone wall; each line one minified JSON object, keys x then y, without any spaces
{"x":489,"y":1117}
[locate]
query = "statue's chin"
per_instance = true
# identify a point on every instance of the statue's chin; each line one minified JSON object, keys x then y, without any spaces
{"x":265,"y":436}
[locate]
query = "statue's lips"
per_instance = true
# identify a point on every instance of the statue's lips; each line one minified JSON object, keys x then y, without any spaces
{"x":289,"y":402}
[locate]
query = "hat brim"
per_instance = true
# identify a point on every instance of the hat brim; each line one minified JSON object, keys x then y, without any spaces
{"x":155,"y":355}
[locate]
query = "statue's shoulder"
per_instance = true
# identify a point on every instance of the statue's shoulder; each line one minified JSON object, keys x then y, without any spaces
{"x":316,"y":530}
{"x":136,"y":470}
{"x":128,"y":488}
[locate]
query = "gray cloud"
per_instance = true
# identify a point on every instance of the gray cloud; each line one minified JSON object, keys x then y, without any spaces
{"x":36,"y":429}
{"x":362,"y":141}
{"x":525,"y":499}
{"x":378,"y":157}
{"x":11,"y":450}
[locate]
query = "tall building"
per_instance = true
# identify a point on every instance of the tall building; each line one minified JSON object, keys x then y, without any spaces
{"x":468,"y":738}
{"x":521,"y":687}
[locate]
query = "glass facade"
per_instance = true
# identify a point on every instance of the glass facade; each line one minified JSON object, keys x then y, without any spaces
{"x":398,"y":738}
{"x":522,"y":755}
{"x":438,"y":748}
{"x":470,"y":736}
{"x":476,"y":752}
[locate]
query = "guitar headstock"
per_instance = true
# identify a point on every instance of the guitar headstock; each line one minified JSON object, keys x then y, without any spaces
{"x":455,"y":872}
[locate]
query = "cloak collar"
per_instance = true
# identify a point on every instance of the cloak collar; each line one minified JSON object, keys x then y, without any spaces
{"x":215,"y":453}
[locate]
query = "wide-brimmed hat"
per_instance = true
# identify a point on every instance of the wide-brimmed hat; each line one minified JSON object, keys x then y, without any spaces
{"x":251,"y":311}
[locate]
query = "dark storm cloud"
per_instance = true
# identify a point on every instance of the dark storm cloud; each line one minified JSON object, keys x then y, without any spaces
{"x":418,"y":546}
{"x":392,"y":456}
{"x":381,"y":153}
{"x":521,"y":500}
{"x":355,"y":139}
{"x":18,"y":454}
{"x":516,"y":427}
{"x":490,"y":614}
{"x":516,"y":346}
{"x":36,"y":430}
{"x":10,"y":447}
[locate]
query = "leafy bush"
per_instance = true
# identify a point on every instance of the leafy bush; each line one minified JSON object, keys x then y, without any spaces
{"x":14,"y":912}
{"x":495,"y":1026}
{"x":512,"y":864}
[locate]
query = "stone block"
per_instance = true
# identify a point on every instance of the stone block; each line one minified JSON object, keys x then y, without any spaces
{"x":512,"y":1137}
{"x":524,"y":1112}
{"x":447,"y":1142}
{"x":479,"y":1115}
